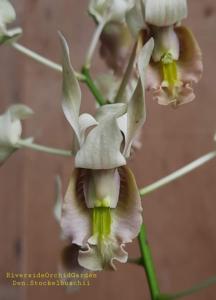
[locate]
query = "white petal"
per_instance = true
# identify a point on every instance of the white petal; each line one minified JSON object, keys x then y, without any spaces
{"x":7,"y":12}
{"x":71,"y":90}
{"x":20,"y":112}
{"x":166,"y":41}
{"x":109,"y":10}
{"x":135,"y":19}
{"x":111,"y":110}
{"x":101,"y":149}
{"x":127,"y":217}
{"x":165,"y":12}
{"x":102,"y":188}
{"x":95,"y":260}
{"x":136,"y":114}
{"x":86,"y":121}
{"x":75,"y":220}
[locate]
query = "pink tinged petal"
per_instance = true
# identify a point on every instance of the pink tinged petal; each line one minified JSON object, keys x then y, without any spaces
{"x":101,"y":149}
{"x":116,"y":42}
{"x":102,"y":188}
{"x":190,"y":62}
{"x":165,"y":12}
{"x":75,"y":220}
{"x":185,"y":95}
{"x":126,"y":221}
{"x":136,"y":114}
{"x":71,"y":90}
{"x":92,"y":259}
{"x":127,"y":217}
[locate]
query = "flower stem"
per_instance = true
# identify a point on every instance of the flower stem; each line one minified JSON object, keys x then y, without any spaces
{"x":40,"y":59}
{"x":93,"y":88}
{"x":178,"y":174}
{"x":42,"y":148}
{"x":195,"y":289}
{"x":148,"y":264}
{"x":93,"y":43}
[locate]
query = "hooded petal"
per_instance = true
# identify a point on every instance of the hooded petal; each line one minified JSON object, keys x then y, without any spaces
{"x":102,"y":188}
{"x":136,"y":114}
{"x":71,"y":90}
{"x":75,"y":220}
{"x":101,"y":149}
{"x":165,"y":12}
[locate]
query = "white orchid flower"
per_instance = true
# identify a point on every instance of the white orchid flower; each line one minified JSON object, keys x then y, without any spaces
{"x":102,"y":211}
{"x":11,"y":129}
{"x":7,"y":16}
{"x":109,"y":10}
{"x":176,"y":62}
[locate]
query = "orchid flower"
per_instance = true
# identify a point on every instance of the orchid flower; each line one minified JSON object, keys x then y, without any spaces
{"x":116,"y":39}
{"x":102,"y":211}
{"x":11,"y":129}
{"x":8,"y":15}
{"x":176,"y":62}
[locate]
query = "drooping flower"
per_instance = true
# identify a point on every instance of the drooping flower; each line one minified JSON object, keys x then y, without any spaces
{"x":176,"y":62}
{"x":7,"y":16}
{"x":11,"y":129}
{"x":102,"y":211}
{"x":116,"y":39}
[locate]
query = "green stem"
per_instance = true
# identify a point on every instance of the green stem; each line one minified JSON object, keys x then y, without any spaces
{"x":178,"y":174}
{"x":203,"y":285}
{"x":42,"y":148}
{"x":93,"y":88}
{"x":148,"y":264}
{"x":40,"y":59}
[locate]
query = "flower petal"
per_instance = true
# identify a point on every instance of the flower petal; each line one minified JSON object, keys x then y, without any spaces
{"x":71,"y":90}
{"x":7,"y":12}
{"x":101,"y":149}
{"x":92,"y":258}
{"x":127,"y":217}
{"x":102,"y":188}
{"x":165,"y":12}
{"x":136,"y":114}
{"x":190,"y":61}
{"x":135,"y":19}
{"x":109,"y":10}
{"x":11,"y":129}
{"x":112,"y":110}
{"x":116,"y":42}
{"x":75,"y":220}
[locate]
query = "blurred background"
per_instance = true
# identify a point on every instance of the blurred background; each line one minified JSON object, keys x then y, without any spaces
{"x":180,"y":217}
